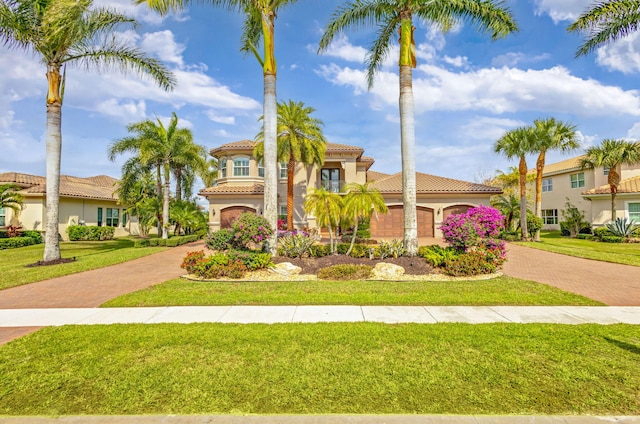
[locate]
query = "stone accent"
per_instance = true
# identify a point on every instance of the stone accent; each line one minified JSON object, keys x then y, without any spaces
{"x":286,"y":268}
{"x":386,"y":271}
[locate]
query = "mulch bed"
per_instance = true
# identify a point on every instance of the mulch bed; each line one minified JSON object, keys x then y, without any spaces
{"x":412,"y":266}
{"x":54,"y":262}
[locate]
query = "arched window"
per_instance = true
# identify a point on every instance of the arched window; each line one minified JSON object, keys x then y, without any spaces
{"x":223,"y":167}
{"x":241,"y":167}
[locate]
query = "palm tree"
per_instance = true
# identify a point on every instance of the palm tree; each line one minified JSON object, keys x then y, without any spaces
{"x":11,"y":198}
{"x":393,"y":16}
{"x":606,"y":22}
{"x":300,"y":140}
{"x":326,"y":206}
{"x":612,"y":154}
{"x":70,"y":32}
{"x":517,"y":143}
{"x":259,"y":24}
{"x":360,"y":203}
{"x":509,"y":207}
{"x":164,"y":148}
{"x":187,"y":216}
{"x":550,"y":134}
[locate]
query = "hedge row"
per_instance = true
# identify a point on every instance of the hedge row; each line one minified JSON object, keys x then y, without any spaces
{"x":170,"y":242}
{"x":13,"y":242}
{"x":90,"y":233}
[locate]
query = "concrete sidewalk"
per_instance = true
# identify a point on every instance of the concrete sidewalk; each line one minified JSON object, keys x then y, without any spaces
{"x":312,"y":314}
{"x":326,"y":419}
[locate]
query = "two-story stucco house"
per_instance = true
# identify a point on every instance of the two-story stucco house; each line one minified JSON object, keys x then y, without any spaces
{"x":88,"y":201}
{"x":240,"y":188}
{"x":589,"y":191}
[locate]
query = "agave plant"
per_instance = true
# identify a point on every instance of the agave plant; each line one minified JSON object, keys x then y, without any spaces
{"x":622,"y":227}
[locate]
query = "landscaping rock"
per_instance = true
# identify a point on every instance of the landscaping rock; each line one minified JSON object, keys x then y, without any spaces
{"x":286,"y":268}
{"x":386,"y":271}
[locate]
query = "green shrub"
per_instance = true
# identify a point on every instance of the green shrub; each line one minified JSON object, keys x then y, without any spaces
{"x":534,"y":223}
{"x":251,"y":260}
{"x":173,"y":242}
{"x":393,"y":248}
{"x":14,"y":242}
{"x":295,"y":245}
{"x":622,"y":227}
{"x":250,"y":228}
{"x":319,"y":250}
{"x":470,"y":263}
{"x":510,"y":236}
{"x":345,"y":272}
{"x":141,"y":243}
{"x":191,"y":261}
{"x":436,"y":255}
{"x":218,"y":265}
{"x":220,"y":240}
{"x":612,"y":239}
{"x":601,"y":232}
{"x":90,"y":233}
{"x":35,"y":235}
{"x":586,"y":237}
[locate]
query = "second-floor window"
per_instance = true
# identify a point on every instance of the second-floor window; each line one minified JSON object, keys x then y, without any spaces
{"x":577,"y":180}
{"x":241,"y":167}
{"x":283,"y":170}
{"x":330,"y":179}
{"x":223,"y":167}
{"x":260,"y":169}
{"x":547,"y":185}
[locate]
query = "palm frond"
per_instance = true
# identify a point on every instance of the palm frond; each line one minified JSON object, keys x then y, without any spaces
{"x":380,"y":48}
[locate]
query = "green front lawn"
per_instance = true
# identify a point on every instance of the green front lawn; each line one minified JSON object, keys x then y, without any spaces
{"x":498,"y":291}
{"x":328,"y":368}
{"x":89,"y":255}
{"x":621,"y":253}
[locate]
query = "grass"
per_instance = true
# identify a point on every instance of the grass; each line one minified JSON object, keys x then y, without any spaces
{"x":498,"y":291}
{"x":89,"y":255}
{"x":620,"y":253}
{"x":323,"y":368}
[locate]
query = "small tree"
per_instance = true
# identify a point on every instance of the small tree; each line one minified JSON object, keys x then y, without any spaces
{"x":326,"y":206}
{"x":573,"y":218}
{"x":360,"y":203}
{"x":10,"y":198}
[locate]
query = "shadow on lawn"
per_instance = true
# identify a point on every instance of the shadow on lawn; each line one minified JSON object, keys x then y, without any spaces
{"x":624,"y":345}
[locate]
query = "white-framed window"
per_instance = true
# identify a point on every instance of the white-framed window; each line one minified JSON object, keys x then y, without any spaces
{"x":3,"y":217}
{"x":260,"y":169}
{"x":577,"y":180}
{"x":283,"y":170}
{"x":605,"y":170}
{"x":241,"y":167}
{"x":99,"y":217}
{"x":547,"y":185}
{"x":112,"y":217}
{"x":282,"y":211}
{"x":223,"y":167}
{"x":550,"y":216}
{"x":633,"y":210}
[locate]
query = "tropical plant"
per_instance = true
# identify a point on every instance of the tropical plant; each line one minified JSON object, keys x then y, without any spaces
{"x":187,"y":216}
{"x":259,"y":24}
{"x":163,"y":148}
{"x":393,"y":16}
{"x":360,"y":203}
{"x":70,"y":32}
{"x":573,"y":218}
{"x":326,"y":206}
{"x":517,"y":143}
{"x":11,"y":198}
{"x":606,"y":22}
{"x":621,"y":227}
{"x":612,"y":154}
{"x":250,"y":228}
{"x":295,"y":245}
{"x":509,"y":206}
{"x":300,"y":140}
{"x":549,"y":134}
{"x":147,"y":211}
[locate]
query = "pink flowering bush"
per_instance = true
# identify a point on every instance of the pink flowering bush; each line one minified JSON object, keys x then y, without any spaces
{"x":250,"y":228}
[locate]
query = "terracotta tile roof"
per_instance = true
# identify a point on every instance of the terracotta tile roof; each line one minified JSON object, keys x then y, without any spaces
{"x":232,"y":189}
{"x":248,"y":146}
{"x":79,"y":187}
{"x":367,"y":159}
{"x":428,"y":184}
{"x":565,"y":165}
{"x":375,"y":175}
{"x":628,"y":185}
{"x":335,"y":147}
{"x":22,"y":179}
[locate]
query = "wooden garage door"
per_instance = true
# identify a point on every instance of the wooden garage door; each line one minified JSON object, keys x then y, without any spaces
{"x":227,"y":215}
{"x":455,"y":209}
{"x":391,"y":225}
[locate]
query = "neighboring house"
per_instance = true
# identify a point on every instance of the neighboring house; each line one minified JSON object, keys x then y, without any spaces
{"x":588,"y":190}
{"x":240,"y":188}
{"x":83,"y":201}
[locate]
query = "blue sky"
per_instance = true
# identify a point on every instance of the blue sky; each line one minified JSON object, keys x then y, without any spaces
{"x":468,"y":89}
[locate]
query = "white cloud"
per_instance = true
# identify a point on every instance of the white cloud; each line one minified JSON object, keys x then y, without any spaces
{"x":458,"y":61}
{"x":512,"y":59}
{"x":487,"y":128}
{"x":220,"y":119}
{"x":586,"y":141}
{"x":623,"y":55}
{"x":561,"y":10}
{"x":163,"y":45}
{"x":141,"y":12}
{"x":497,"y":91}
{"x":124,"y":111}
{"x":634,"y":132}
{"x":341,"y":48}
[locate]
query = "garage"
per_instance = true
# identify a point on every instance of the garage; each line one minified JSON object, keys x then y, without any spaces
{"x":391,"y":224}
{"x":455,"y":209}
{"x":228,"y":215}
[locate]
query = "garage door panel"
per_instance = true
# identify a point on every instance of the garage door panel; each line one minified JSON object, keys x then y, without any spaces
{"x":391,"y":225}
{"x":228,"y":215}
{"x":454,"y":210}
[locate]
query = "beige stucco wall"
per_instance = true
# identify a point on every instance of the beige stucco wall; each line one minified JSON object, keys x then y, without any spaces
{"x":601,"y":207}
{"x":557,"y":198}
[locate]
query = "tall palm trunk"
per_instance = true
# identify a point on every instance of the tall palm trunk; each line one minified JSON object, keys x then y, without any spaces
{"x":270,"y":113}
{"x":523,"y":198}
{"x":54,"y":148}
{"x":159,"y":193}
{"x":353,"y":238}
{"x":408,"y":135}
{"x":165,"y":201}
{"x":178,"y":184}
{"x":614,"y":180}
{"x":539,"y":169}
{"x":291,"y":167}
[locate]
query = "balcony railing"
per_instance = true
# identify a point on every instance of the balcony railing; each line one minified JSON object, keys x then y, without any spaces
{"x":334,"y":186}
